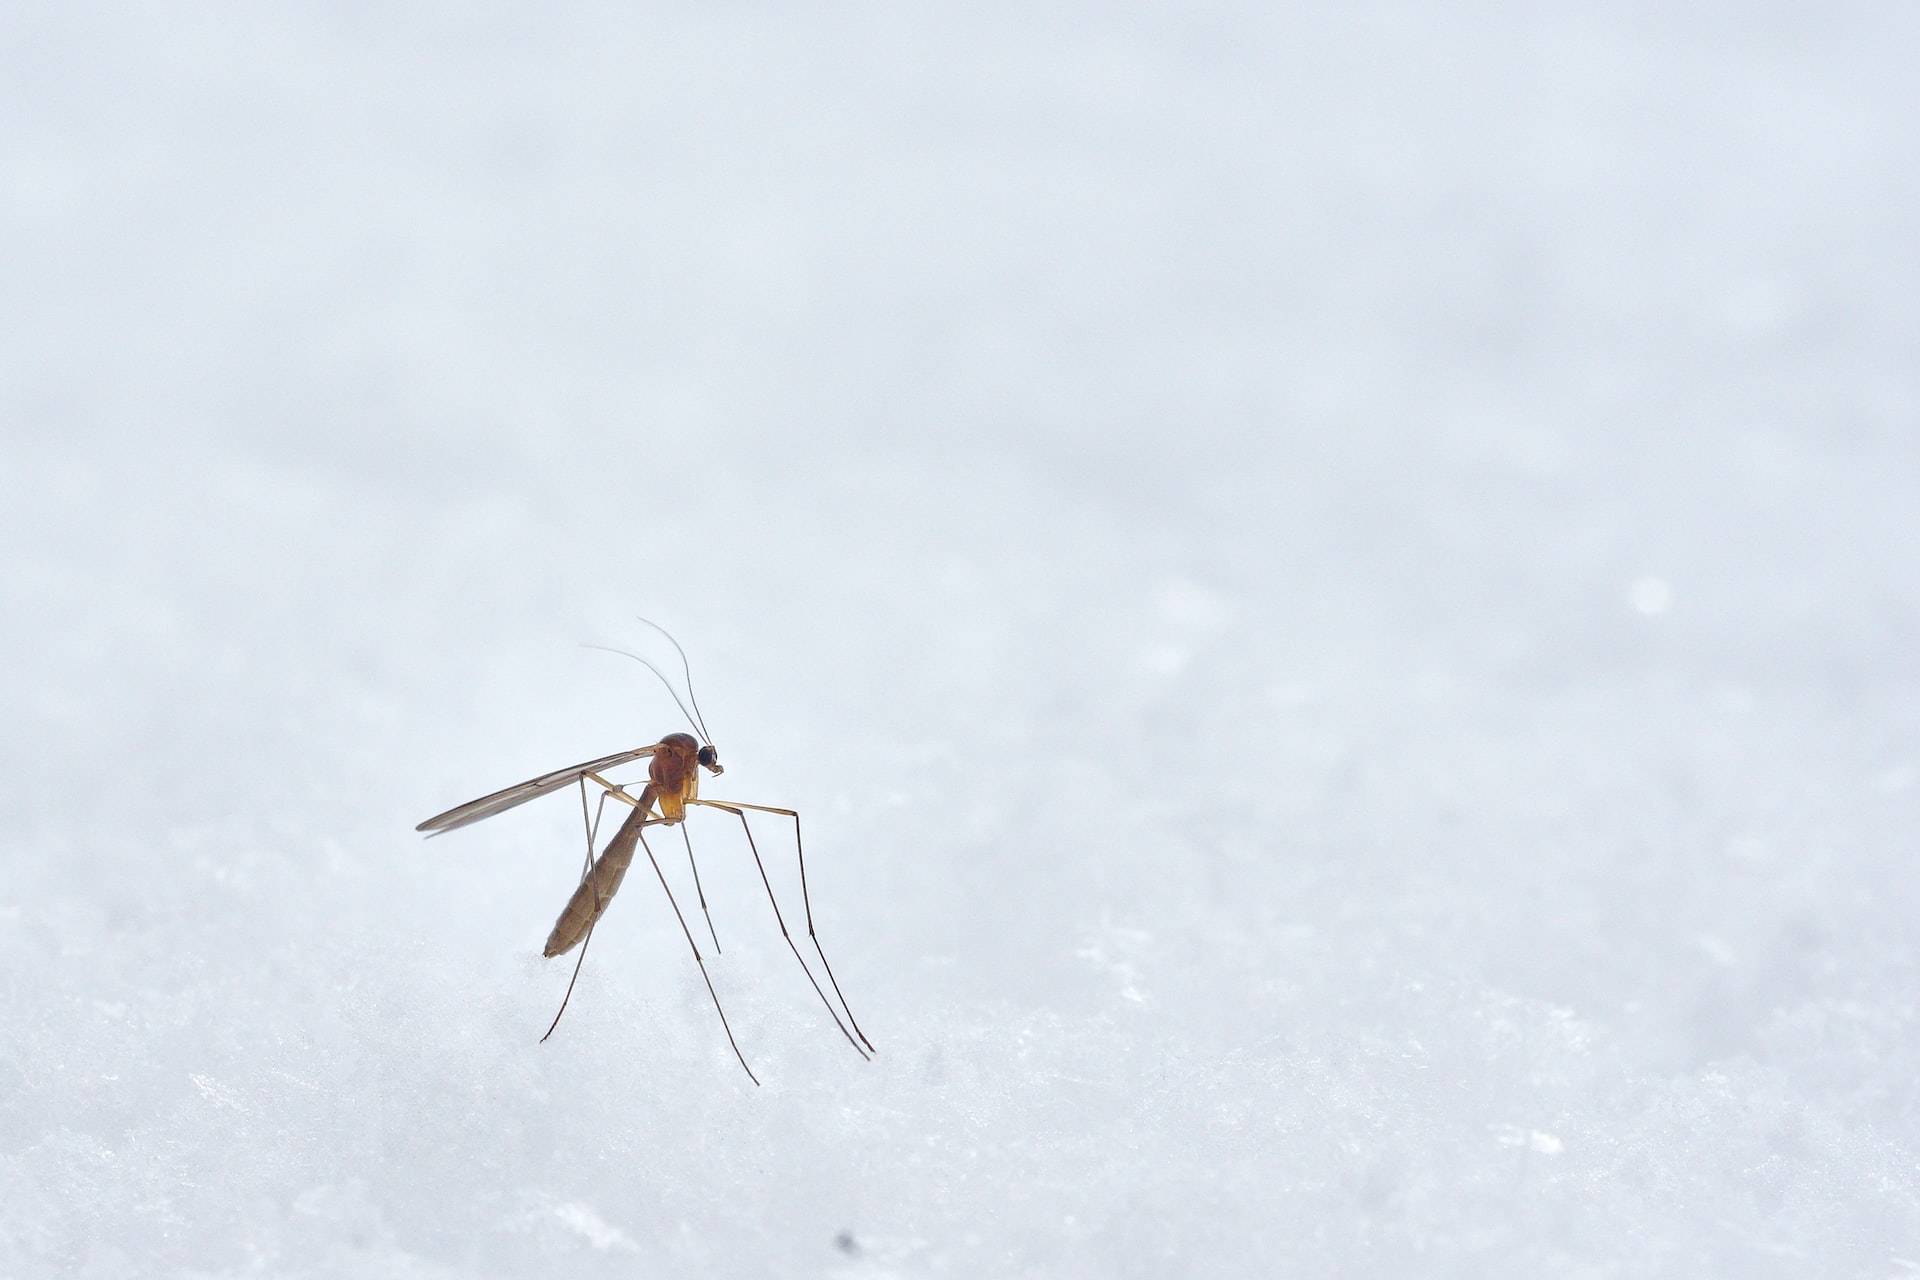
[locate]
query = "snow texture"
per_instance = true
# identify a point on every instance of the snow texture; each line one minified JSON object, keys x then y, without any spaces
{"x":1336,"y":584}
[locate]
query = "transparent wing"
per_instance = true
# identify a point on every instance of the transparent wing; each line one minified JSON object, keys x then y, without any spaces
{"x":520,"y":793}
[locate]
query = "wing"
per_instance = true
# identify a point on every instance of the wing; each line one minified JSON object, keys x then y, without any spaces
{"x":532,"y":789}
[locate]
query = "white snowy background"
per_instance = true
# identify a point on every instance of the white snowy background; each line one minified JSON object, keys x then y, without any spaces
{"x":1336,"y":584}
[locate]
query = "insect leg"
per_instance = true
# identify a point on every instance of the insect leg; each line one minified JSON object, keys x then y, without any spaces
{"x":800,"y":851}
{"x":698,"y":890}
{"x":593,"y":828}
{"x":570,"y":981}
{"x":618,"y":792}
{"x":787,"y":937}
{"x":696,"y":959}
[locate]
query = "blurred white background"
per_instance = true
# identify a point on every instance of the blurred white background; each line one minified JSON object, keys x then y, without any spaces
{"x":1336,"y":583}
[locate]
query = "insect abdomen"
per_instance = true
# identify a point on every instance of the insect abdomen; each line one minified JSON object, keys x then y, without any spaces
{"x":601,"y":883}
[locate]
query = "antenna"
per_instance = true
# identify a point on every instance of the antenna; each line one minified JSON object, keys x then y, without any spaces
{"x":686,"y":669}
{"x":663,"y":680}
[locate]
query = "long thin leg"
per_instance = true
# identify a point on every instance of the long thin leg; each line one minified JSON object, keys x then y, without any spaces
{"x":614,"y":789}
{"x":698,"y":890}
{"x":582,"y":959}
{"x":784,"y":935}
{"x":734,"y":807}
{"x":592,"y":830}
{"x":697,"y":960}
{"x":593,"y":827}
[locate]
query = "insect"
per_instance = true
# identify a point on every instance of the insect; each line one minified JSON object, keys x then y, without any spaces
{"x":673,"y":785}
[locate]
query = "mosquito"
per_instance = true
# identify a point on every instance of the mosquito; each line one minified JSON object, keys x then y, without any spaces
{"x":673,"y":784}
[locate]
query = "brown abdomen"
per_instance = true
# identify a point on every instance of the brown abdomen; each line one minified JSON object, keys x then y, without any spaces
{"x":601,"y":883}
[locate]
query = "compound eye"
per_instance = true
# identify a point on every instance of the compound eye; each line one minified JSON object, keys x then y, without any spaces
{"x":709,"y":757}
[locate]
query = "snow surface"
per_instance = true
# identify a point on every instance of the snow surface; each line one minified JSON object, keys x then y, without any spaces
{"x":1336,"y":583}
